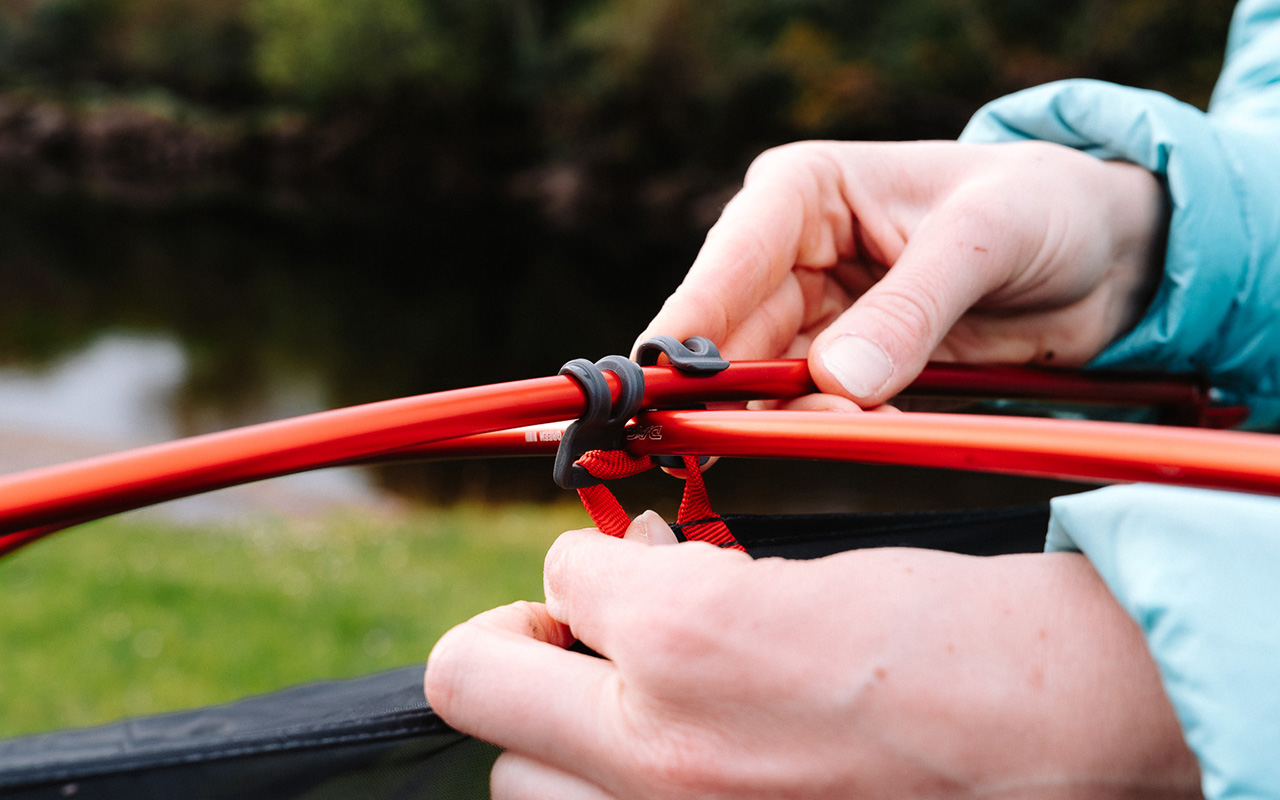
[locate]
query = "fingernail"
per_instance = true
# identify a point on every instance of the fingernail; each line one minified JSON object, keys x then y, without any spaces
{"x":861,"y":366}
{"x":638,"y":530}
{"x":650,"y":527}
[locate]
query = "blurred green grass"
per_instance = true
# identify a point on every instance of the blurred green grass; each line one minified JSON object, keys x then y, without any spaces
{"x":132,"y":616}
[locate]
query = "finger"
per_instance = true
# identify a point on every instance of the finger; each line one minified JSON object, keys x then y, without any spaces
{"x":790,"y":212}
{"x":743,"y":260}
{"x":956,"y":256}
{"x":783,"y":324}
{"x":504,"y":677}
{"x":516,"y":777}
{"x":683,"y":474}
{"x":822,"y":402}
{"x":609,"y":590}
{"x":768,"y":329}
{"x":650,"y":528}
{"x":884,"y":408}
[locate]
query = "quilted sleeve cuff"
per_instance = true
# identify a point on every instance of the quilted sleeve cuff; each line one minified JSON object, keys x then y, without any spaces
{"x":1197,"y":571}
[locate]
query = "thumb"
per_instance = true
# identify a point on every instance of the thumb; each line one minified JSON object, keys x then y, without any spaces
{"x":650,"y":528}
{"x":881,"y":343}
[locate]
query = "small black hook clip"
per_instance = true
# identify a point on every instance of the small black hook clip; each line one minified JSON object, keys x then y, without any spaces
{"x":697,"y":355}
{"x":596,"y":428}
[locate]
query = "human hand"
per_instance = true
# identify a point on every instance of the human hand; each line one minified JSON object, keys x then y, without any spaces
{"x":877,"y":673}
{"x":871,"y":258}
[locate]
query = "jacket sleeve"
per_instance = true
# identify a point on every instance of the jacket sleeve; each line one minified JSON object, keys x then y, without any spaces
{"x":1198,"y":571}
{"x":1216,"y":311}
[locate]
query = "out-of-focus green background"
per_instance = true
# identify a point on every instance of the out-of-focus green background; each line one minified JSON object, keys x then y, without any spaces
{"x":214,"y":212}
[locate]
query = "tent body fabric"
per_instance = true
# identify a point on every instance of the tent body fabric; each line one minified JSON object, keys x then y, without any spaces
{"x":372,"y":737}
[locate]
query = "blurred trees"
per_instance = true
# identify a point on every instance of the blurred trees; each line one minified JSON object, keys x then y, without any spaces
{"x":609,"y":115}
{"x":798,"y":67}
{"x":630,"y":119}
{"x":197,"y":49}
{"x":586,"y":108}
{"x":322,"y":50}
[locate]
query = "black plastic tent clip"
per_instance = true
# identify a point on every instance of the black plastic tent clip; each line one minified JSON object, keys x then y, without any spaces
{"x":696,"y":356}
{"x":597,"y":429}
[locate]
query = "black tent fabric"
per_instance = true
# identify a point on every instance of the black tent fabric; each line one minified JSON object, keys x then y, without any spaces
{"x":981,"y":532}
{"x":375,"y":738}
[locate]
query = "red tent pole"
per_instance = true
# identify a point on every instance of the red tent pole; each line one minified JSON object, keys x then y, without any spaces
{"x":109,"y":484}
{"x":1070,"y":449}
{"x":38,"y":502}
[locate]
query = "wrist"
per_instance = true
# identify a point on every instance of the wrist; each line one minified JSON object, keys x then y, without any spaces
{"x":1138,"y":206}
{"x":1085,"y":711}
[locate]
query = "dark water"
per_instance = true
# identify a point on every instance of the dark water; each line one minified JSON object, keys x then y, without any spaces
{"x":120,"y":326}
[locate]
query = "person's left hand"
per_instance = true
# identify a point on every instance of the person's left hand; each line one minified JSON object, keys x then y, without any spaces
{"x":876,"y":673}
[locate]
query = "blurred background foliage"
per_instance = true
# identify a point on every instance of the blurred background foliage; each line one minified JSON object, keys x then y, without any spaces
{"x":645,"y":81}
{"x":398,"y":196}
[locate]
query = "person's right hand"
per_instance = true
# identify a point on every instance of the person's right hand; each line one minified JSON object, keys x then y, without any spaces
{"x":870,"y":259}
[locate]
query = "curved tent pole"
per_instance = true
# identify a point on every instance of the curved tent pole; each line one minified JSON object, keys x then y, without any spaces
{"x":83,"y":490}
{"x":469,"y":422}
{"x":1048,"y":448}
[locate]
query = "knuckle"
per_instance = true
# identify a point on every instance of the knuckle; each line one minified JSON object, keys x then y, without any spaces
{"x":554,"y":568}
{"x":913,"y":312}
{"x":666,"y":638}
{"x":983,"y":208}
{"x":531,"y":618}
{"x":692,"y":630}
{"x":786,"y":159}
{"x":684,"y":762}
{"x":781,"y":155}
{"x":560,"y":567}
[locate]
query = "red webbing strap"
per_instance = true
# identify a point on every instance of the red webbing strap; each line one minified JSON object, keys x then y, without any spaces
{"x":604,"y":508}
{"x":697,"y":519}
{"x":698,"y":522}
